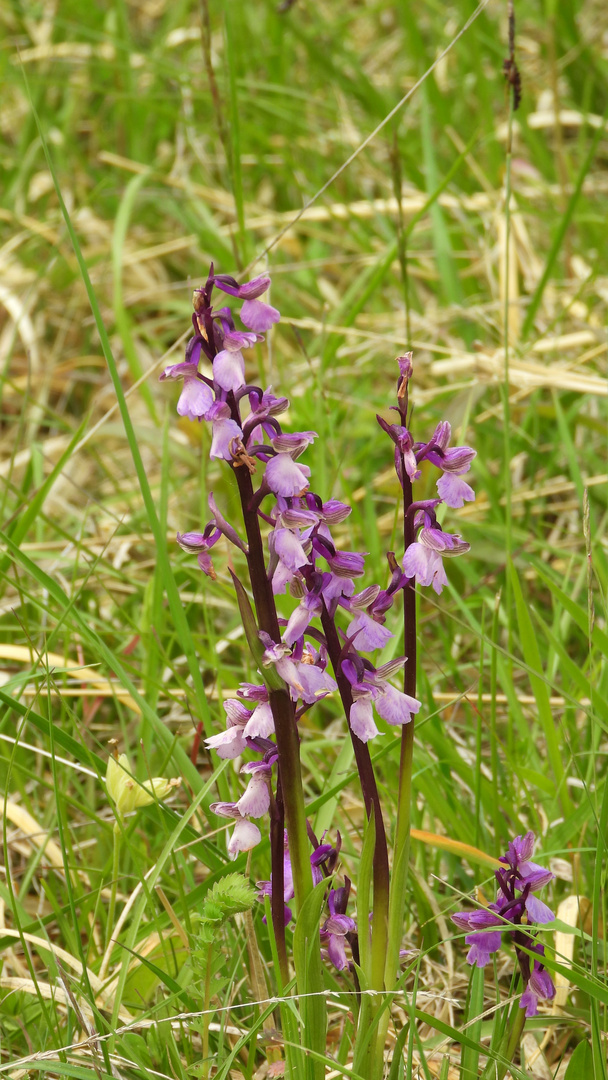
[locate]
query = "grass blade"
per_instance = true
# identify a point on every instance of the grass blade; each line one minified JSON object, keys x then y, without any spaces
{"x":562,"y":229}
{"x":175,"y":603}
{"x":531,"y":653}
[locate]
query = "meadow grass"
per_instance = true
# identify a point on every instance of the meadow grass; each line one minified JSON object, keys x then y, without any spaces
{"x":172,"y":148}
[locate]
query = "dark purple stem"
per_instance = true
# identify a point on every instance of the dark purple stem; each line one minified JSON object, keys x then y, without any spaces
{"x":283,"y":712}
{"x":262,"y":591}
{"x":404,"y":798}
{"x":277,"y":865}
{"x":410,"y":640}
{"x":369,"y":787}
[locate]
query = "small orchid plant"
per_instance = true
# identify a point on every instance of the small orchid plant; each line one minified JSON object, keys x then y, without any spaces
{"x":516,"y":912}
{"x":326,"y":646}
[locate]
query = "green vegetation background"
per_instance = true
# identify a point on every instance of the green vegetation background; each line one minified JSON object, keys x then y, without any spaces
{"x":159,"y":177}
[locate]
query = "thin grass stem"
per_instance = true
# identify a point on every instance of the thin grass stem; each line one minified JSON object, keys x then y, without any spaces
{"x":116,"y":841}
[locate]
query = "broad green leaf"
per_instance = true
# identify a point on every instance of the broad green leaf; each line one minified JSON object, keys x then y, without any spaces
{"x":580,"y":1066}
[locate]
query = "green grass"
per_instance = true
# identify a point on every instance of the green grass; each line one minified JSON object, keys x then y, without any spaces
{"x":110,"y":106}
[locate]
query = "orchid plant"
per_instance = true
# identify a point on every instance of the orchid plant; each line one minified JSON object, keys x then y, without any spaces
{"x":327,"y":645}
{"x":517,"y":912}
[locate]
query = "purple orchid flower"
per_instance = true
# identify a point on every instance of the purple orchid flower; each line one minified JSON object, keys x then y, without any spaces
{"x":454,"y":462}
{"x":264,"y":407}
{"x":306,"y":678}
{"x":246,"y":835}
{"x":226,"y":433}
{"x":326,"y":855}
{"x":314,"y":680}
{"x":285,"y":477}
{"x":515,"y":911}
{"x":337,"y":927}
{"x":303,"y":557}
{"x":196,"y":397}
{"x":255,"y":801}
{"x":287,"y":546}
{"x":309,"y":608}
{"x":319,"y":856}
{"x":261,"y":722}
{"x":366,"y":632}
{"x":404,"y":449}
{"x":254,"y":314}
{"x":222,"y":343}
{"x":369,"y":687}
{"x":229,"y":369}
{"x":423,"y":559}
{"x":199,"y":544}
{"x":540,"y":987}
{"x":232,"y":742}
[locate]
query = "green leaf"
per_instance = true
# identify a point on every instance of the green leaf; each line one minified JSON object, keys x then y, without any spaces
{"x":596,"y":988}
{"x":599,"y":637}
{"x":121,"y":318}
{"x":229,"y":895}
{"x":189,"y":771}
{"x":152,"y":878}
{"x":580,"y":1066}
{"x":473,"y":1020}
{"x":531,"y":653}
{"x":364,"y":884}
{"x":79,"y":751}
{"x":441,"y":238}
{"x":272,"y":680}
{"x":307,"y":963}
{"x":19,"y":528}
{"x":252,"y":1029}
{"x":397,"y":1058}
{"x":163,"y":977}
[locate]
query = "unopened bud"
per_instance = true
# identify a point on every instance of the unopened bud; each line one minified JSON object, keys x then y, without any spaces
{"x":198,"y":300}
{"x":406,"y":367}
{"x":127,"y":793}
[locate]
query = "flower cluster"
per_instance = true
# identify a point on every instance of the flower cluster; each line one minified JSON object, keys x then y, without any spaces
{"x":217,"y":338}
{"x":423,"y":558}
{"x":304,"y":670}
{"x":332,"y":624}
{"x":339,"y":929}
{"x":515,"y":912}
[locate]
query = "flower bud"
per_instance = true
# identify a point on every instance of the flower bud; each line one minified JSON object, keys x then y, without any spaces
{"x":129,"y":794}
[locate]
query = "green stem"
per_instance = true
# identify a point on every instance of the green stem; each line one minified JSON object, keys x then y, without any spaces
{"x":505,"y":397}
{"x":371,"y":799}
{"x":206,"y":1011}
{"x":494,"y":763}
{"x":401,"y":850}
{"x":505,"y":387}
{"x":117,"y":837}
{"x":400,"y":855}
{"x":516,"y":1032}
{"x":404,"y":796}
{"x":496,"y":1070}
